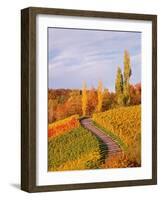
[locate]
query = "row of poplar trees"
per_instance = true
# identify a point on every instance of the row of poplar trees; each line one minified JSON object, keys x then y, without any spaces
{"x":85,"y":98}
{"x":122,"y":82}
{"x":122,"y":87}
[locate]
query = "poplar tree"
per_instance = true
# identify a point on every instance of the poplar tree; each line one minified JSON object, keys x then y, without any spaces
{"x":119,"y":87}
{"x":127,"y":74}
{"x":84,"y":99}
{"x":100,"y":96}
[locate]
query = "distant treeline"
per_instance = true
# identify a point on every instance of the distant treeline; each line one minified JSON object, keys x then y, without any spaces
{"x":63,"y":103}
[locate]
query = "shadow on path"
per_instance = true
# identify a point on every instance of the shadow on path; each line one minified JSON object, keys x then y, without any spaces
{"x":107,"y":145}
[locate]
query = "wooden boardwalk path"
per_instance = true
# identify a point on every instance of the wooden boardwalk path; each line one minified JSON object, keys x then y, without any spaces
{"x":112,"y":146}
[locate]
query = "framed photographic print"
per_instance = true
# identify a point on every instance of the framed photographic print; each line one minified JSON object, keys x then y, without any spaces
{"x":88,"y":99}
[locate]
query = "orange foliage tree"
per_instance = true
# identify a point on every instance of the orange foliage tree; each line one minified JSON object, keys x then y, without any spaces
{"x":135,"y":94}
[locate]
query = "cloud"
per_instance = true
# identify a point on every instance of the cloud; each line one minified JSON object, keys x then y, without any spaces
{"x":77,"y":55}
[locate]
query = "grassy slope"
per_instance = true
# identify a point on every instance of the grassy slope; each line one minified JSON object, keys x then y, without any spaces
{"x":124,"y":125}
{"x":77,"y":149}
{"x":112,"y":135}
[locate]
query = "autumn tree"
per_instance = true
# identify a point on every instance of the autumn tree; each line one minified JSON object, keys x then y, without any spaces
{"x":100,"y":96}
{"x":50,"y":111}
{"x":73,"y":104}
{"x":106,"y":105}
{"x":84,"y":98}
{"x":127,"y":74}
{"x":135,"y":94}
{"x":119,"y":87}
{"x":92,"y":101}
{"x":61,"y":112}
{"x":52,"y":106}
{"x":113,"y":100}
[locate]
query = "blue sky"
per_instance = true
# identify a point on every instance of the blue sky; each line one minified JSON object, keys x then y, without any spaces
{"x":75,"y":55}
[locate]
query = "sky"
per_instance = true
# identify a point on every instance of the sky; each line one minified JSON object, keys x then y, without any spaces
{"x":77,"y":55}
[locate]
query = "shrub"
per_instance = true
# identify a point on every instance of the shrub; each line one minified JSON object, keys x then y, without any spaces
{"x":120,"y":160}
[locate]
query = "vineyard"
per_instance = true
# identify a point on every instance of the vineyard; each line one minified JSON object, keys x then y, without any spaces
{"x":62,"y":126}
{"x":71,"y":147}
{"x":125,"y":124}
{"x":94,"y":109}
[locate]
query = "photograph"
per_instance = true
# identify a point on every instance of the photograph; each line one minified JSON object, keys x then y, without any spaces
{"x":89,"y":99}
{"x":94,"y":99}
